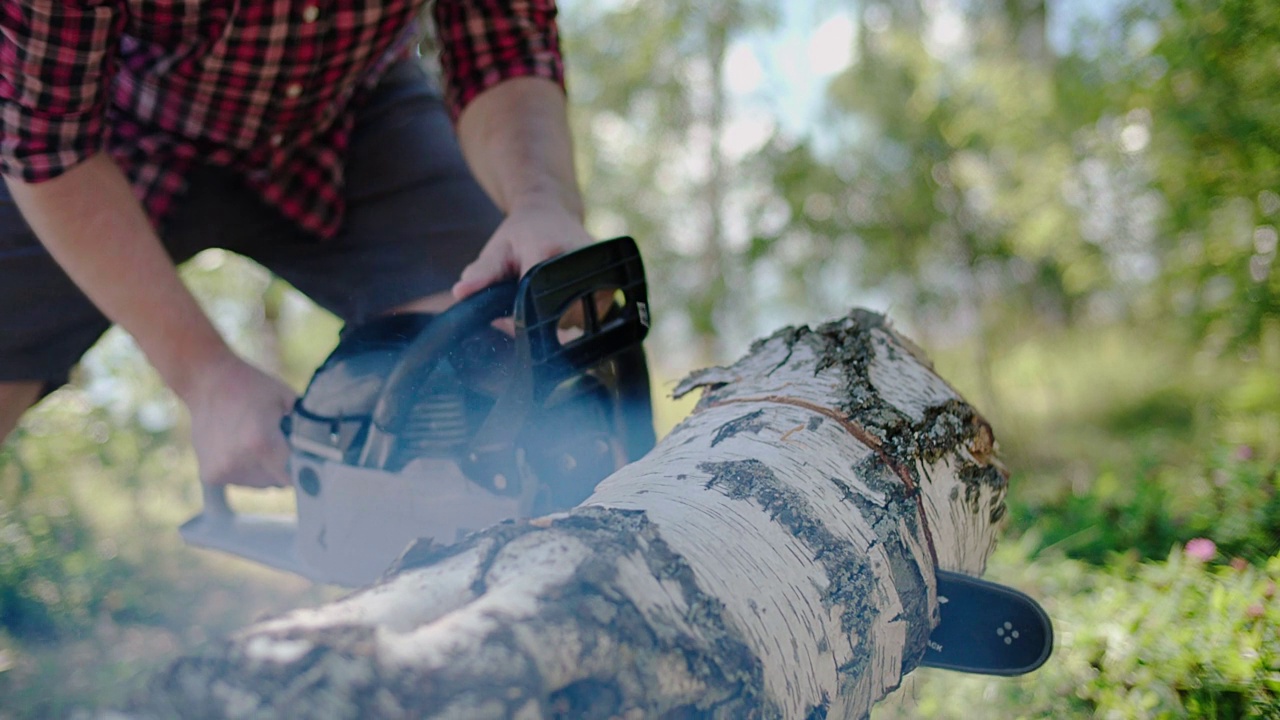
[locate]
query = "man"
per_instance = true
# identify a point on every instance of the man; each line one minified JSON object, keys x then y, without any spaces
{"x":300,"y":133}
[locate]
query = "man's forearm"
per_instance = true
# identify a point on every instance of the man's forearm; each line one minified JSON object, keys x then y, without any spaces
{"x":516,"y":139}
{"x":95,"y":228}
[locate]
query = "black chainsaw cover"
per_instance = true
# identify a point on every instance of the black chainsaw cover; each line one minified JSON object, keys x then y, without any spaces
{"x":567,"y":443}
{"x":348,"y":383}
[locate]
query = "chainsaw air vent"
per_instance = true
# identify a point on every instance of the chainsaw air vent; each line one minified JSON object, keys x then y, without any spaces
{"x":437,"y":425}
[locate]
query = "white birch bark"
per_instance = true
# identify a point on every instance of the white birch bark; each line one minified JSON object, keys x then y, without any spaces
{"x":773,"y":557}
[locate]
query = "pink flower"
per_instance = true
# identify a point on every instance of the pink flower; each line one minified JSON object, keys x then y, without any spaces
{"x":1239,"y":564}
{"x":1244,"y":453}
{"x":1201,"y":549}
{"x":1255,"y":611}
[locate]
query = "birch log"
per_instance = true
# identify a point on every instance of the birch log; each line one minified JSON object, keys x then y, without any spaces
{"x":772,"y":557}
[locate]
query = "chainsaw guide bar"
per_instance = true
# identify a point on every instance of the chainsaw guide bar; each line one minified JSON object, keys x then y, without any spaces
{"x":987,"y":629}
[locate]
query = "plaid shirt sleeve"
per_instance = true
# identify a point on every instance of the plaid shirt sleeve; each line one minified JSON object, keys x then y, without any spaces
{"x":56,"y":57}
{"x":484,"y":42}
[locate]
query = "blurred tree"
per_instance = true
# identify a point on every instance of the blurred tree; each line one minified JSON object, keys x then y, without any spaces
{"x":651,"y":108}
{"x":1214,"y":95}
{"x":987,"y":178}
{"x":968,"y":173}
{"x":983,"y":179}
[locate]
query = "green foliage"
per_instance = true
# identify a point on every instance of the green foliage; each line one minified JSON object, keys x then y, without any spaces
{"x":57,"y":577}
{"x":965,"y":171}
{"x":1123,"y":443}
{"x":1216,"y":154}
{"x":54,"y":578}
{"x":1233,"y":499}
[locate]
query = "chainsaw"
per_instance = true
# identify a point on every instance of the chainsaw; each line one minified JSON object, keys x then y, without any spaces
{"x":444,"y":422}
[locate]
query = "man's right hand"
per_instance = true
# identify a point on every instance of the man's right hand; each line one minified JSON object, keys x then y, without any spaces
{"x":94,"y":226}
{"x":235,"y":424}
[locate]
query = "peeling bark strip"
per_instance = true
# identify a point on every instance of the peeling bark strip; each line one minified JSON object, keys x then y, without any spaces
{"x":773,"y":557}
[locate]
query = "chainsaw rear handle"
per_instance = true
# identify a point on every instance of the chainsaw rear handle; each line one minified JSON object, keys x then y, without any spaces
{"x":216,"y":508}
{"x":537,"y":302}
{"x":545,"y":293}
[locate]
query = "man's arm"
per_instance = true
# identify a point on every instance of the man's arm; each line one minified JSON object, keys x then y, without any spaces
{"x":504,"y":83}
{"x":97,"y":231}
{"x":56,"y":58}
{"x":515,"y":136}
{"x":90,"y":221}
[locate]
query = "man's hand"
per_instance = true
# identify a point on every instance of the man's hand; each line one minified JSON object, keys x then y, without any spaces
{"x":235,"y":424}
{"x":527,"y":237}
{"x":515,"y":136}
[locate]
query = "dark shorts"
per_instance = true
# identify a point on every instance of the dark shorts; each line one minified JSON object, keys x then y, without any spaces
{"x":415,"y":218}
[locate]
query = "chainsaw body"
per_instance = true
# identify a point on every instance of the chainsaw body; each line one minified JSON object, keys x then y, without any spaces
{"x":420,"y":426}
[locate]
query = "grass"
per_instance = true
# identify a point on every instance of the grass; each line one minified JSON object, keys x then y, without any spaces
{"x":165,"y":602}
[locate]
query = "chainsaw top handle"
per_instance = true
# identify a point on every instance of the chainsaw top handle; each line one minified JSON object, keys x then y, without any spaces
{"x":391,"y":412}
{"x":537,"y":303}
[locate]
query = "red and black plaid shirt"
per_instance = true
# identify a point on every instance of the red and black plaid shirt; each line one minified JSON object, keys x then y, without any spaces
{"x":264,"y":86}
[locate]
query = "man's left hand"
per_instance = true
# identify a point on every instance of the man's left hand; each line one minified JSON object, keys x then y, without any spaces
{"x":529,"y":235}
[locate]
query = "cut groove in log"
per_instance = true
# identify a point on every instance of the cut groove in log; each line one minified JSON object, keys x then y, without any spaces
{"x":773,"y":557}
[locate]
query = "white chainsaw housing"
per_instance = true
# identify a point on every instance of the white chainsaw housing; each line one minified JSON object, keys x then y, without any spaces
{"x":350,"y":529}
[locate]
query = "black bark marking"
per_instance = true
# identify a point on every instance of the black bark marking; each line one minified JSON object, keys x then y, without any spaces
{"x":340,"y":675}
{"x":420,"y":553}
{"x":846,"y":492}
{"x":586,"y":699}
{"x":815,"y":422}
{"x":856,"y":666}
{"x":733,"y":675}
{"x":819,"y":711}
{"x":426,"y":551}
{"x":944,"y":427}
{"x":505,"y":533}
{"x":876,"y":474}
{"x":750,"y":422}
{"x":789,"y":334}
{"x":975,"y":477}
{"x":886,"y":520}
{"x":851,"y":580}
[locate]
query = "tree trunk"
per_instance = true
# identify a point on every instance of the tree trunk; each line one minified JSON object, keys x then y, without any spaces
{"x":773,"y":557}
